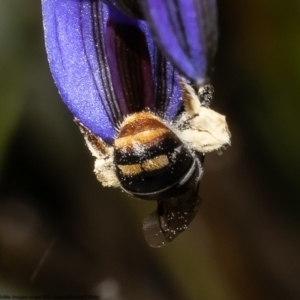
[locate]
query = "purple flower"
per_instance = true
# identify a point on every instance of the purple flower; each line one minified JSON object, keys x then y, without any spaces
{"x":185,"y":30}
{"x":106,"y":65}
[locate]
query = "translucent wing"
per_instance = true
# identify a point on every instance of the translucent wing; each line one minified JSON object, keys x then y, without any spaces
{"x":171,"y":218}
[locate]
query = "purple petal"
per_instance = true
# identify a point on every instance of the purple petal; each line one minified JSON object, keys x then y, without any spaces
{"x":128,"y":7}
{"x":141,"y":76}
{"x":129,"y":62}
{"x":186,"y":32}
{"x":75,"y":52}
{"x":167,"y":91}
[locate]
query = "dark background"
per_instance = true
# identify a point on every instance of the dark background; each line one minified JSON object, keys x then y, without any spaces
{"x":62,"y":233}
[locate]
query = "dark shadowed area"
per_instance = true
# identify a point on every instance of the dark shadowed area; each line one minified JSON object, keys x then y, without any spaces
{"x":63,"y":234}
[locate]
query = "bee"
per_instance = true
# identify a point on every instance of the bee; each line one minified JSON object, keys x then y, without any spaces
{"x":154,"y":159}
{"x":147,"y":126}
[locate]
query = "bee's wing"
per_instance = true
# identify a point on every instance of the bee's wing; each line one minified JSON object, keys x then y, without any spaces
{"x":171,"y":218}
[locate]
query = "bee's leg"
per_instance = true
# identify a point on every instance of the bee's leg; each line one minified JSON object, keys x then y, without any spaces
{"x":104,"y":164}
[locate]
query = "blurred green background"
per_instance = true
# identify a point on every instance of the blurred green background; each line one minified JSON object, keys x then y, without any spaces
{"x":61,"y":233}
